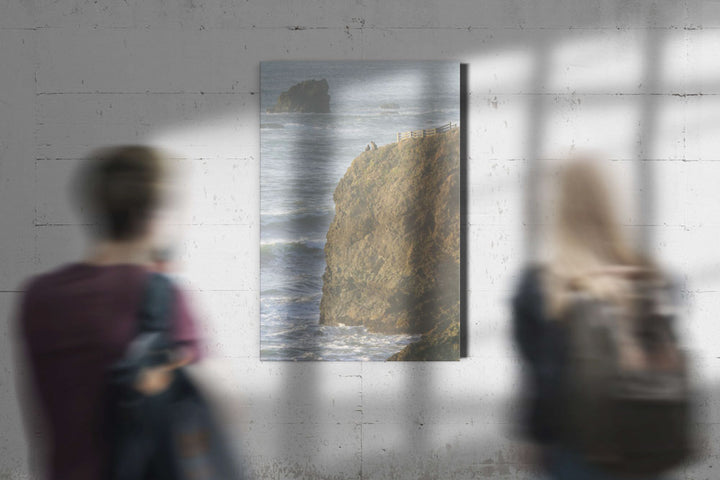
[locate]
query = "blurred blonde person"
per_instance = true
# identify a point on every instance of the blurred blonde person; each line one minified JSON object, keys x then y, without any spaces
{"x":588,"y":252}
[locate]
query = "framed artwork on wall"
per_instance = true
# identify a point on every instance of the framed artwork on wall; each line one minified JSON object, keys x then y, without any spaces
{"x":360,"y":210}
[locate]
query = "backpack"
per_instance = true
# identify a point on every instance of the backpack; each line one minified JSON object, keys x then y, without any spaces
{"x":626,"y":393}
{"x":172,"y":435}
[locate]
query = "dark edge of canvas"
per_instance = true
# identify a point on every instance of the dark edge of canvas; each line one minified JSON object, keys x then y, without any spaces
{"x":464,"y":94}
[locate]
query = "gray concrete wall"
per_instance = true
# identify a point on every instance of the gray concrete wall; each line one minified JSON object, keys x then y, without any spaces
{"x":632,"y":79}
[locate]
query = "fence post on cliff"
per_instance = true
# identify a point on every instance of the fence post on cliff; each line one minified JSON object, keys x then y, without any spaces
{"x":425,"y":132}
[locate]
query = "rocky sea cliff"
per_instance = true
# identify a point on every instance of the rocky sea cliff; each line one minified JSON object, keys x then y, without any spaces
{"x":393,"y":248}
{"x":310,"y":96}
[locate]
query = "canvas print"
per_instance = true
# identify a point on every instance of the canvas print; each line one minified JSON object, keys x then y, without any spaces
{"x":360,"y":211}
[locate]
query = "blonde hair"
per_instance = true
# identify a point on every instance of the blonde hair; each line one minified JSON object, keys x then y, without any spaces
{"x":591,"y":253}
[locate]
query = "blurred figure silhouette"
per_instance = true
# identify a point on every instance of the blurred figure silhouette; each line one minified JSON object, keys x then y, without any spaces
{"x":77,"y":320}
{"x":607,"y":394}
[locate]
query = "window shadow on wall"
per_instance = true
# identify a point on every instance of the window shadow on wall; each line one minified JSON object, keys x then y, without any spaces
{"x":305,"y":384}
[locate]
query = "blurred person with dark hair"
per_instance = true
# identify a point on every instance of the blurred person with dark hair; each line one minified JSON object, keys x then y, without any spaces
{"x":589,"y":258}
{"x":77,"y":320}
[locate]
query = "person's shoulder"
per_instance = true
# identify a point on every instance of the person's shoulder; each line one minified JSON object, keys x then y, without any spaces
{"x":671,"y":277}
{"x":531,"y":276}
{"x":529,"y":293}
{"x":40,"y":282}
{"x":37,"y":291}
{"x":671,"y":282}
{"x":31,"y":284}
{"x":163,"y":280}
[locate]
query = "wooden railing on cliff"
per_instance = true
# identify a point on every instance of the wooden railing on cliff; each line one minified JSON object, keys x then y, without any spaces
{"x":426,"y":132}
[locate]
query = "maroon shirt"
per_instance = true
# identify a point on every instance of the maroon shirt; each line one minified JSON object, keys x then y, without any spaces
{"x":74,"y":323}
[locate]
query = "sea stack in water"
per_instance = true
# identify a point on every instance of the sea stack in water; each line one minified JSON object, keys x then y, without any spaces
{"x":310,"y":96}
{"x":393,"y":249}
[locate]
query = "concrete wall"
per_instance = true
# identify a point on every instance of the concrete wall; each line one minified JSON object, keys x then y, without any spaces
{"x":633,"y":79}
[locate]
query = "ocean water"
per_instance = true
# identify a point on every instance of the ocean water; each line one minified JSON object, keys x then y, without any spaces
{"x":303,"y":156}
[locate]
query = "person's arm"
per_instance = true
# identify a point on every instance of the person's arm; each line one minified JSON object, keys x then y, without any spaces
{"x":537,"y":340}
{"x":527,"y":306}
{"x":184,"y":331}
{"x":186,"y":350}
{"x":36,"y":430}
{"x":153,"y":380}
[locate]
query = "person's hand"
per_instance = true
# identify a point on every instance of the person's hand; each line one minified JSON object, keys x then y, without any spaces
{"x":154,"y":380}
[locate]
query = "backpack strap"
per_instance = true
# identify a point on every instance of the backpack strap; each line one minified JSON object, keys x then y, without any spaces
{"x":156,"y":307}
{"x":152,"y":345}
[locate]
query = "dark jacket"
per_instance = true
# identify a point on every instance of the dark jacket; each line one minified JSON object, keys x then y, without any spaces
{"x":542,"y":344}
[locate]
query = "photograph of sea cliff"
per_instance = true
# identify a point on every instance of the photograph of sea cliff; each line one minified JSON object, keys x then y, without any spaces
{"x":360,"y":211}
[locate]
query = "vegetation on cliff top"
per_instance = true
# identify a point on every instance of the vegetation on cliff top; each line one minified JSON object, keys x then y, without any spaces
{"x":393,"y":248}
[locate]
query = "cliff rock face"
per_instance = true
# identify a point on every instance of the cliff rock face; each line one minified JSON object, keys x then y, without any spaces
{"x":310,"y":96}
{"x":393,"y":248}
